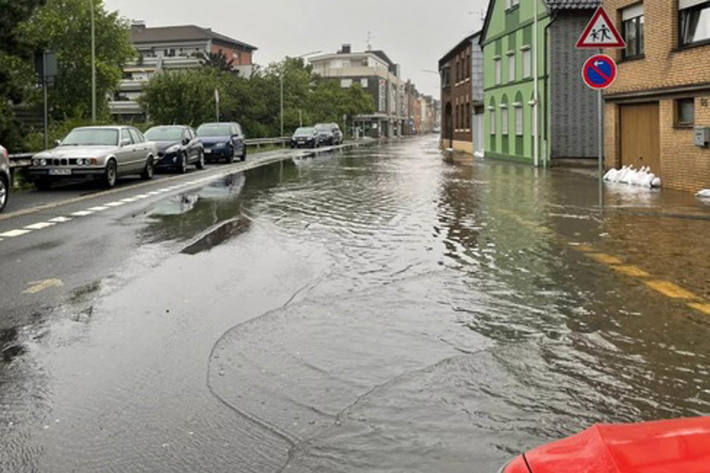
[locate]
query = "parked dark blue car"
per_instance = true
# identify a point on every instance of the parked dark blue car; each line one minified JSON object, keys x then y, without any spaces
{"x":178,"y":147}
{"x":223,"y":141}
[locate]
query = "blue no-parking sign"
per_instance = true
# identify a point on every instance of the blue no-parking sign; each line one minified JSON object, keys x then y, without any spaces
{"x":599,"y":72}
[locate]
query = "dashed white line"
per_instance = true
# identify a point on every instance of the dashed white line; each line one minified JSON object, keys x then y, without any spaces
{"x":128,"y":200}
{"x":14,"y":233}
{"x":40,"y":225}
{"x":115,"y":204}
{"x":60,"y":220}
{"x":98,"y":209}
{"x":81,"y":213}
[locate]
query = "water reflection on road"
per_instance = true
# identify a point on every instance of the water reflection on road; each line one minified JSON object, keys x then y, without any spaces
{"x":377,"y":310}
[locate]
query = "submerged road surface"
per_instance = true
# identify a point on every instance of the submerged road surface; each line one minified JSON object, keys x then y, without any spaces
{"x":375,"y":310}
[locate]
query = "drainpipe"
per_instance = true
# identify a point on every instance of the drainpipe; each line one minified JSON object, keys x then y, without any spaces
{"x":536,"y":98}
{"x":546,"y":68}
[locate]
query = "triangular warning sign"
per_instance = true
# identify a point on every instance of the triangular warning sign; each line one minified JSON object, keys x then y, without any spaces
{"x":600,"y":33}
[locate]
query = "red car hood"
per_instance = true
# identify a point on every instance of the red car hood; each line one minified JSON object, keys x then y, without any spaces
{"x":681,"y":446}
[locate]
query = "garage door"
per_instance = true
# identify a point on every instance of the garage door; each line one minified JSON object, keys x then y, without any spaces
{"x":640,"y":136}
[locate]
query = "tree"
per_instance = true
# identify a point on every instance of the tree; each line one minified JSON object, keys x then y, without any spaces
{"x":181,"y":97}
{"x":217,"y":61}
{"x":16,"y":73}
{"x":64,"y":26}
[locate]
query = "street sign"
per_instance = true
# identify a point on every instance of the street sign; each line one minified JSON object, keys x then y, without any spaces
{"x":599,"y":72}
{"x":600,"y":33}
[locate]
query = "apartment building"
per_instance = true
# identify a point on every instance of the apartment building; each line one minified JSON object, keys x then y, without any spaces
{"x":379,"y":76}
{"x":657,"y":113}
{"x":462,"y":96}
{"x":172,"y":48}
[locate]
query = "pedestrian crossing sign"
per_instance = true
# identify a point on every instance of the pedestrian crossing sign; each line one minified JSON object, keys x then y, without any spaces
{"x":600,"y":33}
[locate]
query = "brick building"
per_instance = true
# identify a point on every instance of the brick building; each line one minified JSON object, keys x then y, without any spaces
{"x":461,"y":95}
{"x":662,"y":92}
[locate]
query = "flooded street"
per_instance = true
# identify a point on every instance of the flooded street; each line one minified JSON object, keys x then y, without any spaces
{"x":372,"y":310}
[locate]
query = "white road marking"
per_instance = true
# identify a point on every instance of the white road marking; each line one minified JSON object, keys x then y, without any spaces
{"x":40,"y":225}
{"x":98,"y":209}
{"x":115,"y":204}
{"x":153,"y":193}
{"x":81,"y":213}
{"x":60,"y":220}
{"x":14,"y":233}
{"x":142,"y":196}
{"x":128,"y":200}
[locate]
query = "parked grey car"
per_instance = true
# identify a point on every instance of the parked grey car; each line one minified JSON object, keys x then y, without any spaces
{"x":330,"y":133}
{"x":101,"y":152}
{"x":5,"y":179}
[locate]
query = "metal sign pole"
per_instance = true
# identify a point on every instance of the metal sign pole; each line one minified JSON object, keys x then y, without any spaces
{"x":600,"y":118}
{"x":46,"y":107}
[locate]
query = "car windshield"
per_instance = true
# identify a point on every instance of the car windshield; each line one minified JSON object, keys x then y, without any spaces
{"x":214,"y":130}
{"x":91,"y":137}
{"x":323,"y":127}
{"x":166,"y":133}
{"x":305,"y":131}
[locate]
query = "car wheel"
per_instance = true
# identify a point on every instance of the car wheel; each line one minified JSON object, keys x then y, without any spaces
{"x":182,"y":164}
{"x":148,"y":171}
{"x":201,"y":160}
{"x":110,"y":174}
{"x":4,"y":192}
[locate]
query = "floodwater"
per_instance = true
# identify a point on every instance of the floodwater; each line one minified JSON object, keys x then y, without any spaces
{"x":377,"y":310}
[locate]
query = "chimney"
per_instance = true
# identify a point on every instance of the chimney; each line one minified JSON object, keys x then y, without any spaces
{"x":138,"y":25}
{"x":346,"y":49}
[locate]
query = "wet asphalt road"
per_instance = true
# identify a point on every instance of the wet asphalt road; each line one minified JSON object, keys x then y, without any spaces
{"x":375,"y":310}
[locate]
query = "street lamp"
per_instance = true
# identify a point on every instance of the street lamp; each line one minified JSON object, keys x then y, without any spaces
{"x":93,"y":64}
{"x":281,"y":80}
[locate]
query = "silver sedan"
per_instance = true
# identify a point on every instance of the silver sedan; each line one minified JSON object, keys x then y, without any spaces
{"x":101,"y":152}
{"x":5,"y":180}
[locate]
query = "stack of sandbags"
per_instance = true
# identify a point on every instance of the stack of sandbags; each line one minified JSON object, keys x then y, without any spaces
{"x":628,"y":175}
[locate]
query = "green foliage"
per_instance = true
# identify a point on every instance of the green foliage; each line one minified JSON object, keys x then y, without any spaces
{"x":16,"y":73}
{"x":64,"y":27}
{"x":188,"y":97}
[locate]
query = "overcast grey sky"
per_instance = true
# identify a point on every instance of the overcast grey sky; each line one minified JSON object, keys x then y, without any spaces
{"x":414,"y":33}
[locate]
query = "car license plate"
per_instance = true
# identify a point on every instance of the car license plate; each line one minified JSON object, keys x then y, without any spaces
{"x":208,"y":151}
{"x":300,"y":142}
{"x":60,"y":172}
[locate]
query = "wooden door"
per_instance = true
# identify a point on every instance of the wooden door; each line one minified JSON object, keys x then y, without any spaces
{"x":640,"y":136}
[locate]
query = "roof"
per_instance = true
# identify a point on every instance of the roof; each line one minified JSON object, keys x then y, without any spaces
{"x":381,"y":54}
{"x":466,"y":41}
{"x":572,"y":4}
{"x":141,"y":35}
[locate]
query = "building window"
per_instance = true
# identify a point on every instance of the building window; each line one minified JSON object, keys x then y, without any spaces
{"x":492,"y":112}
{"x":468,"y":116}
{"x":499,"y":71}
{"x":504,"y":120}
{"x":519,"y":120}
{"x":364,"y":83}
{"x":511,"y":3}
{"x":468,"y":66}
{"x":684,"y":113}
{"x":346,"y":83}
{"x":527,"y":63}
{"x":694,"y":21}
{"x":511,"y":67}
{"x":632,"y":29}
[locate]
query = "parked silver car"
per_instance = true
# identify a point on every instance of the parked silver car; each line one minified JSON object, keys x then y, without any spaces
{"x":101,"y":152}
{"x":5,"y":179}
